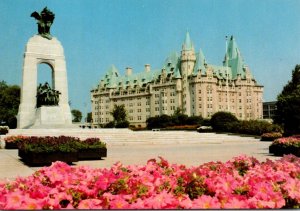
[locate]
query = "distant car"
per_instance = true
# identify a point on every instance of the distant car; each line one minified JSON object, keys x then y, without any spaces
{"x":204,"y":129}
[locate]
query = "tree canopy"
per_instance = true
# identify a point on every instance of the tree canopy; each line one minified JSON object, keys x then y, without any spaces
{"x":9,"y":104}
{"x":288,"y":105}
{"x":120,"y":117}
{"x":221,"y":119}
{"x":89,"y":117}
{"x":119,"y":113}
{"x":77,"y":115}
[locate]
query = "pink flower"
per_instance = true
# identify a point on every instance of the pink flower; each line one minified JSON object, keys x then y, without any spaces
{"x":31,"y":204}
{"x":292,"y":188}
{"x":119,"y":203}
{"x":162,"y":200}
{"x":185,"y":202}
{"x":240,"y":183}
{"x":206,"y":202}
{"x":90,"y":204}
{"x":14,"y":200}
{"x":138,"y":204}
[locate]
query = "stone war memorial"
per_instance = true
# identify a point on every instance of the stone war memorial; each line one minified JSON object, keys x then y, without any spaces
{"x":42,"y":106}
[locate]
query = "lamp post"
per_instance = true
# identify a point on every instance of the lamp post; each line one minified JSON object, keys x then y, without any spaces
{"x":227,"y":87}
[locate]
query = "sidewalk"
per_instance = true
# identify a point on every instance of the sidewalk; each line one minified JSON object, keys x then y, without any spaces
{"x":11,"y":167}
{"x":191,"y":149}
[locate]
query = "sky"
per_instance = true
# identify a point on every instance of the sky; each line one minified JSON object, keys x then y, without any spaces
{"x":131,"y":33}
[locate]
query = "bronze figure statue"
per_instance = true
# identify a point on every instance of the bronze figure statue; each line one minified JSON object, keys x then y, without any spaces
{"x":46,"y":96}
{"x":45,"y":20}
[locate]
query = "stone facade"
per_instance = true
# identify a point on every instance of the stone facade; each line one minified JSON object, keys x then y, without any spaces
{"x":41,"y":50}
{"x":185,"y":81}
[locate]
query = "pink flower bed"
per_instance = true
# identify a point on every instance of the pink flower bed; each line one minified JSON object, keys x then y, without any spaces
{"x":288,"y":141}
{"x":242,"y":182}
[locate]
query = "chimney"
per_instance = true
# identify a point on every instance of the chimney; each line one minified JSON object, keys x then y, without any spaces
{"x":128,"y":71}
{"x":147,"y":67}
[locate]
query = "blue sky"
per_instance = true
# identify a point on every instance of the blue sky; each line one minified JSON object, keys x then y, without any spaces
{"x":98,"y":33}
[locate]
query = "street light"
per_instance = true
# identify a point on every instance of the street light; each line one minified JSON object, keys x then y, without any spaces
{"x":227,"y":88}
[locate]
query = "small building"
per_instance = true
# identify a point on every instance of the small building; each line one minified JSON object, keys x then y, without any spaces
{"x":269,"y":109}
{"x":186,"y":81}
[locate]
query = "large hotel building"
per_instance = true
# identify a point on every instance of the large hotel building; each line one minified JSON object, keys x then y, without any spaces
{"x":185,"y":81}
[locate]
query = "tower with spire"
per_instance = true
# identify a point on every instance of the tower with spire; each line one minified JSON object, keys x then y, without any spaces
{"x":188,"y":60}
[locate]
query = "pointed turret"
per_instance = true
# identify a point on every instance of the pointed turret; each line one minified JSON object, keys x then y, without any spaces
{"x":187,"y":45}
{"x":200,"y":62}
{"x":111,"y":77}
{"x":233,"y":58}
{"x":188,"y":57}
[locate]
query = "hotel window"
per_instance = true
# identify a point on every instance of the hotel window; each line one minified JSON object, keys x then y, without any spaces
{"x":139,"y":118}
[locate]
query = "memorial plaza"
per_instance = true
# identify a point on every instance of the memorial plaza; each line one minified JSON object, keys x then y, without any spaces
{"x":131,"y":147}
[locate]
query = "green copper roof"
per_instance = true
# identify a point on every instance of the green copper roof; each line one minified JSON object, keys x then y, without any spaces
{"x":111,"y":77}
{"x":234,"y":59}
{"x":188,"y":45}
{"x":200,"y":63}
{"x":233,"y":65}
{"x":172,"y":65}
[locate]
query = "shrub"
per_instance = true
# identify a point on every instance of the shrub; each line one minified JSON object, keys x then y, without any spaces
{"x":226,"y":122}
{"x":90,"y":143}
{"x":270,"y":136}
{"x":206,"y":122}
{"x":49,"y":144}
{"x":194,"y":120}
{"x":166,"y":121}
{"x":110,"y":125}
{"x":122,"y":124}
{"x":220,"y":121}
{"x":182,"y":127}
{"x":255,"y":127}
{"x":287,"y":145}
{"x":159,"y":121}
{"x":4,"y":130}
{"x":11,"y":142}
{"x":179,"y":119}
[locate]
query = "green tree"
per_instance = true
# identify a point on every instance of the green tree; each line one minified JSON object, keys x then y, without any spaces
{"x":89,"y":117}
{"x":120,"y":116}
{"x":221,"y":120}
{"x":119,"y":113}
{"x":288,"y":105}
{"x":77,"y":115}
{"x":9,"y":104}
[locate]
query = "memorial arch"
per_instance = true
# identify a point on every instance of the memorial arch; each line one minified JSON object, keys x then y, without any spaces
{"x":40,"y":50}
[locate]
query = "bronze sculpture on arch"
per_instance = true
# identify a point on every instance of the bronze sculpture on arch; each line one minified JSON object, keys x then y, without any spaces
{"x":45,"y":20}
